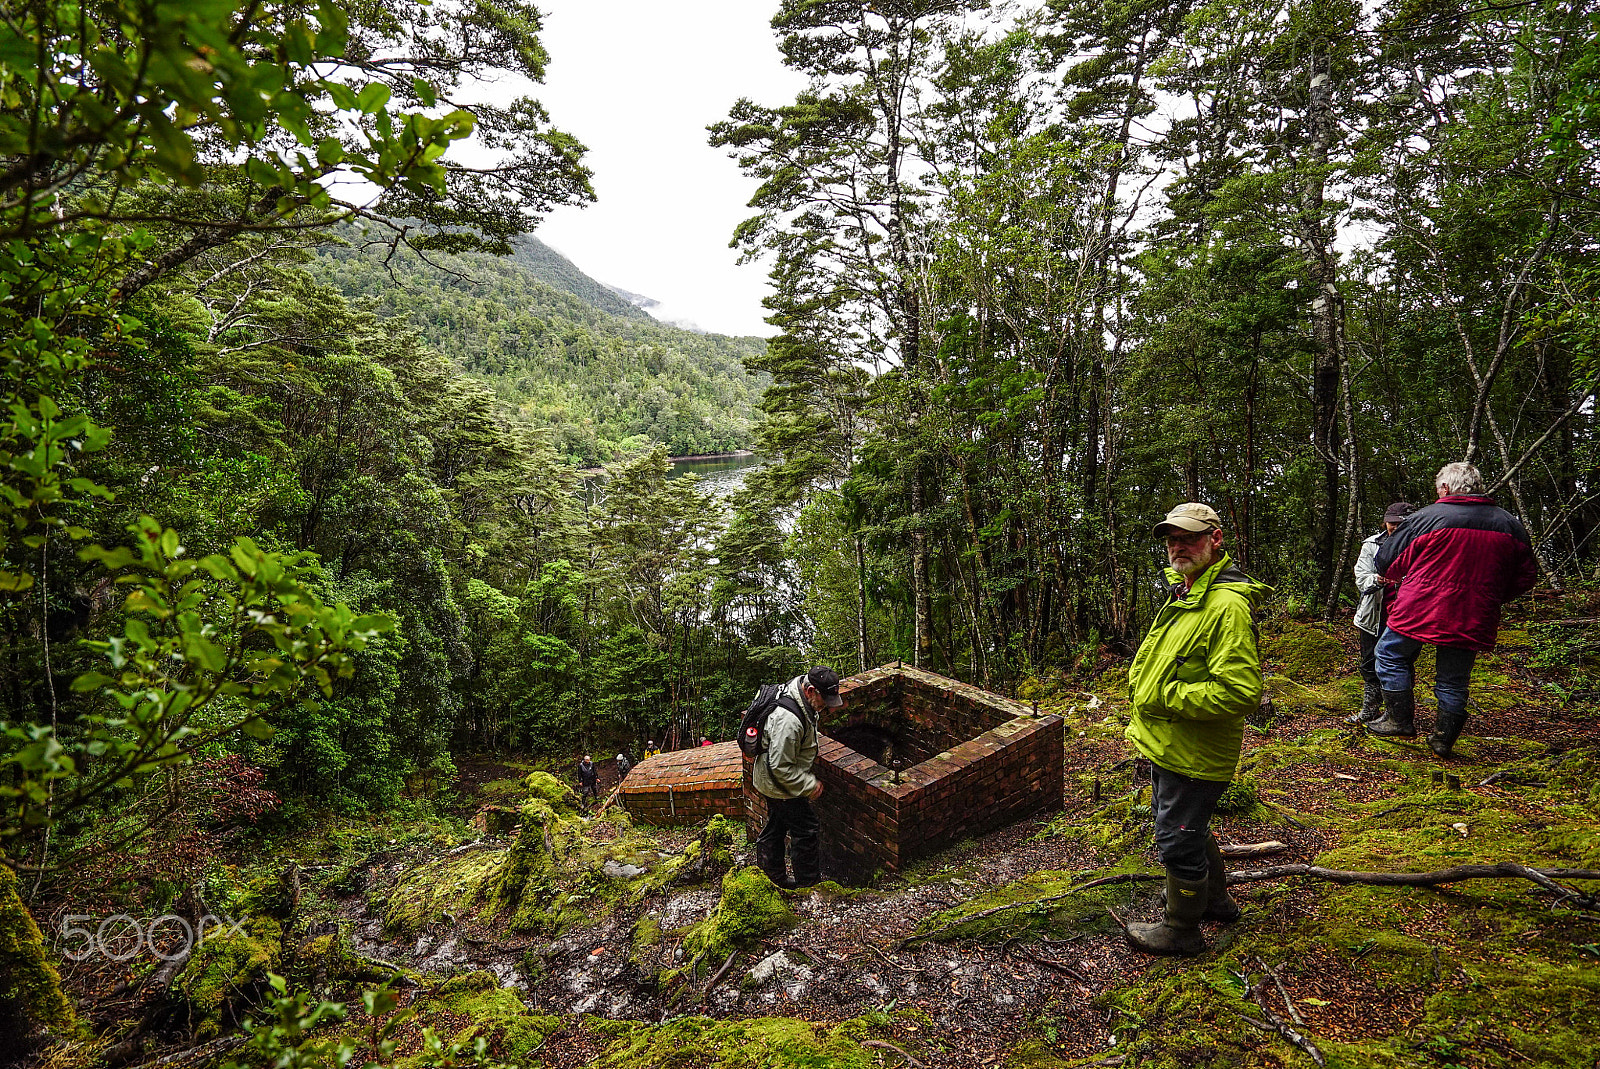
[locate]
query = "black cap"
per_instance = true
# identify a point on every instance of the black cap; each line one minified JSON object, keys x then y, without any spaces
{"x":825,"y":681}
{"x":1398,"y":511}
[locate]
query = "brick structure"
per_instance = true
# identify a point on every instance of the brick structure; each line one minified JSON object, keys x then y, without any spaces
{"x":686,"y":786}
{"x":962,"y":762}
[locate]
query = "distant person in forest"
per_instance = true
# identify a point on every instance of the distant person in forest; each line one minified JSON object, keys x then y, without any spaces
{"x":588,"y":780}
{"x":650,"y":750}
{"x":1455,"y":562}
{"x":783,"y":776}
{"x":705,"y":740}
{"x":622,"y":768}
{"x":1195,"y":678}
{"x":1370,"y":610}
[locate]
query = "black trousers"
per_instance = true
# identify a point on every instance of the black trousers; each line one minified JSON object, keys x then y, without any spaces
{"x":794,"y":818}
{"x":590,"y":789}
{"x":1369,"y":658}
{"x":1182,"y":808}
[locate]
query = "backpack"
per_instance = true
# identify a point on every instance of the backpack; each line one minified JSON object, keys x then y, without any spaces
{"x":753,"y":725}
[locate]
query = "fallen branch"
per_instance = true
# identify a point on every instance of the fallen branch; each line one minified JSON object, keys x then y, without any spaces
{"x":890,"y":1046}
{"x":1249,"y":850}
{"x":719,"y":975}
{"x":612,"y":797}
{"x":1065,"y":970}
{"x":1503,"y":870}
{"x":197,"y":1057}
{"x":891,"y":961}
{"x":1279,"y":1025}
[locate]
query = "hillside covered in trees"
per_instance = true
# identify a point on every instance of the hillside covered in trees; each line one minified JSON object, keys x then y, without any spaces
{"x":561,"y":350}
{"x":305,"y":608}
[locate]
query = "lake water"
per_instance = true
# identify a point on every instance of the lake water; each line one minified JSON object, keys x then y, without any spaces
{"x":719,"y":476}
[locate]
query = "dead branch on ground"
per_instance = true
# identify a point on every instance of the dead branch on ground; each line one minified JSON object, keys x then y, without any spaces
{"x":1502,"y":870}
{"x":1249,"y":850}
{"x":890,"y":1046}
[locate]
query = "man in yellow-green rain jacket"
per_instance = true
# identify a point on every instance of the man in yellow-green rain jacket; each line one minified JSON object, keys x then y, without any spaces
{"x":1196,"y":676}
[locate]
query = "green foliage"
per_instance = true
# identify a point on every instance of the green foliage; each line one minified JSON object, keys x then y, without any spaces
{"x":209,"y":646}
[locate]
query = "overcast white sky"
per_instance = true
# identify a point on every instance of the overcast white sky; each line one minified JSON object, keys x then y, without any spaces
{"x":637,"y":81}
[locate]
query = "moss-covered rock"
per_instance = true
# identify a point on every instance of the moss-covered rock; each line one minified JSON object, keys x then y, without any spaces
{"x":551,"y":877}
{"x":453,"y":887}
{"x":495,"y":1013}
{"x":750,"y":907}
{"x":28,"y":978}
{"x":228,"y":965}
{"x":546,"y":788}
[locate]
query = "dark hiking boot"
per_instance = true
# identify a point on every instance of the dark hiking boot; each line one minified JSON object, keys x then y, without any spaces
{"x":770,"y":861}
{"x":1446,"y":730}
{"x":1396,"y":720}
{"x":1179,"y":932}
{"x":1371,"y":706}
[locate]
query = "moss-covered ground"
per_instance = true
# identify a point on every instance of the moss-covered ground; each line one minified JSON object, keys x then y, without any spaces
{"x":575,"y":940}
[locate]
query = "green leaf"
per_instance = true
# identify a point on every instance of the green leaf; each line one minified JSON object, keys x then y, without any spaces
{"x":373,"y":97}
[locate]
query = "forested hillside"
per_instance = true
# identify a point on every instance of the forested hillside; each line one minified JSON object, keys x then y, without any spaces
{"x":561,"y":350}
{"x":306,"y":608}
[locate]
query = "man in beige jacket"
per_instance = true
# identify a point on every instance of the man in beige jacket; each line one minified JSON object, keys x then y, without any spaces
{"x":783,"y":776}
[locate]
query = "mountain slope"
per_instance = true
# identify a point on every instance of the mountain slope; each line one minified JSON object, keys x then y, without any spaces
{"x":556,"y":271}
{"x":604,"y":383}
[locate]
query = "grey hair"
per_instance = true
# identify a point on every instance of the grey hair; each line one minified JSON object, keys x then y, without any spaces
{"x":1459,"y":478}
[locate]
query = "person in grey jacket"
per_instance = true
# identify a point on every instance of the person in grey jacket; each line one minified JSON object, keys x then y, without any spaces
{"x":1372,"y":587}
{"x":783,"y":776}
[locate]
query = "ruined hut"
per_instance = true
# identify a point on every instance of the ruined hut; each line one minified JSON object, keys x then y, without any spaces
{"x":913,"y":763}
{"x":916,"y":762}
{"x":686,"y":786}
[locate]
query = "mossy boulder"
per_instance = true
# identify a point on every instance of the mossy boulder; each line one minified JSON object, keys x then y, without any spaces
{"x":750,"y":907}
{"x":1306,"y":653}
{"x":545,"y":787}
{"x":227,"y":966}
{"x":551,"y":877}
{"x":452,"y":887}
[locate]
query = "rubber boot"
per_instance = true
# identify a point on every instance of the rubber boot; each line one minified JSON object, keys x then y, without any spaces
{"x":1446,"y":730}
{"x":1396,"y":721}
{"x":1371,"y":706}
{"x":1220,"y":906}
{"x":1179,"y":932}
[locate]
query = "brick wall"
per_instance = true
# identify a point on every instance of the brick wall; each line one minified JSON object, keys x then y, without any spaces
{"x":669,"y":805}
{"x":1000,"y":762}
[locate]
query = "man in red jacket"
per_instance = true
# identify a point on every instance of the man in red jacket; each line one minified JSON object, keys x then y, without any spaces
{"x":1455,"y":562}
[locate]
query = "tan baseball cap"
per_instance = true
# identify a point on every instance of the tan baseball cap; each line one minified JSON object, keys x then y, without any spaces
{"x":1189,"y":516}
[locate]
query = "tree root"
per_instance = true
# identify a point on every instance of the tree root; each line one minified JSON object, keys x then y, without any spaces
{"x":1545,"y":878}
